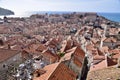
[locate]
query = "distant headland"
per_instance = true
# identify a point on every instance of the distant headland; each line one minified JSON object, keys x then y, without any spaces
{"x":4,"y":12}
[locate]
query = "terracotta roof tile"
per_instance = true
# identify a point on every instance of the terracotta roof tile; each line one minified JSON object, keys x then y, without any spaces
{"x":116,"y":56}
{"x":111,"y":39}
{"x":34,"y":48}
{"x":94,"y":40}
{"x":104,"y":49}
{"x":41,"y":47}
{"x":79,"y":53}
{"x":62,"y":72}
{"x":94,"y":52}
{"x":100,"y":65}
{"x":67,"y":44}
{"x":57,"y":71}
{"x":52,"y":41}
{"x":72,"y":50}
{"x":63,"y":46}
{"x":67,"y":56}
{"x":100,"y":52}
{"x":7,"y":53}
{"x":78,"y":62}
{"x":114,"y":51}
{"x":98,"y":57}
{"x":75,"y":52}
{"x":90,"y":47}
{"x":49,"y":70}
{"x":50,"y":56}
{"x":110,"y":62}
{"x":103,"y":64}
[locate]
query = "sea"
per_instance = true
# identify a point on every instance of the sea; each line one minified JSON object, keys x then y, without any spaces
{"x":111,"y":16}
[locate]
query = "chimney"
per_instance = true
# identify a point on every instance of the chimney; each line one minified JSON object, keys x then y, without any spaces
{"x":101,"y":43}
{"x":9,"y":47}
{"x":50,"y":60}
{"x":118,"y":65}
{"x":105,"y":28}
{"x":103,"y":36}
{"x":1,"y":42}
{"x":5,"y":39}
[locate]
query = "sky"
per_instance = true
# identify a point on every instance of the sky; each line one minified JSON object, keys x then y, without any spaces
{"x":21,"y":6}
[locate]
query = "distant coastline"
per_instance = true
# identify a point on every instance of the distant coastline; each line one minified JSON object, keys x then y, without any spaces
{"x":111,"y":16}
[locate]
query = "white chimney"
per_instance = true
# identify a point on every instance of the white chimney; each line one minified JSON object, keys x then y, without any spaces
{"x":101,"y":43}
{"x":5,"y":38}
{"x":103,"y":36}
{"x":105,"y":28}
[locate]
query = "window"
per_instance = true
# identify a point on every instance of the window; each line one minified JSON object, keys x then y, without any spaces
{"x":4,"y":65}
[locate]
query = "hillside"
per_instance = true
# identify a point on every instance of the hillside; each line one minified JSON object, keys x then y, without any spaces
{"x":6,"y":12}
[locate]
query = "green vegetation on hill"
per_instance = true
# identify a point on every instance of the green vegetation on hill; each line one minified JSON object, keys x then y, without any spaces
{"x":6,"y":12}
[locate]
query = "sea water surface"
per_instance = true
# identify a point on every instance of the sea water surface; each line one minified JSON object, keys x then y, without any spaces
{"x":111,"y":16}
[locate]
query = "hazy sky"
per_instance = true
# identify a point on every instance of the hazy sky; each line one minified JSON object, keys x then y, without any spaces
{"x":19,"y":6}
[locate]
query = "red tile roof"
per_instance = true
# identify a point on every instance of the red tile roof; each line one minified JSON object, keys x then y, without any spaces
{"x":116,"y":56}
{"x":90,"y":47}
{"x":78,"y":62}
{"x":41,"y":47}
{"x":100,"y":52}
{"x":50,"y":56}
{"x":98,"y":57}
{"x":79,"y":52}
{"x":100,"y":65}
{"x":104,"y":49}
{"x":63,"y":46}
{"x":52,"y":41}
{"x":67,"y":56}
{"x":103,"y":64}
{"x":66,"y":45}
{"x":114,"y":51}
{"x":57,"y":71}
{"x":110,"y":62}
{"x":111,"y":39}
{"x":7,"y":53}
